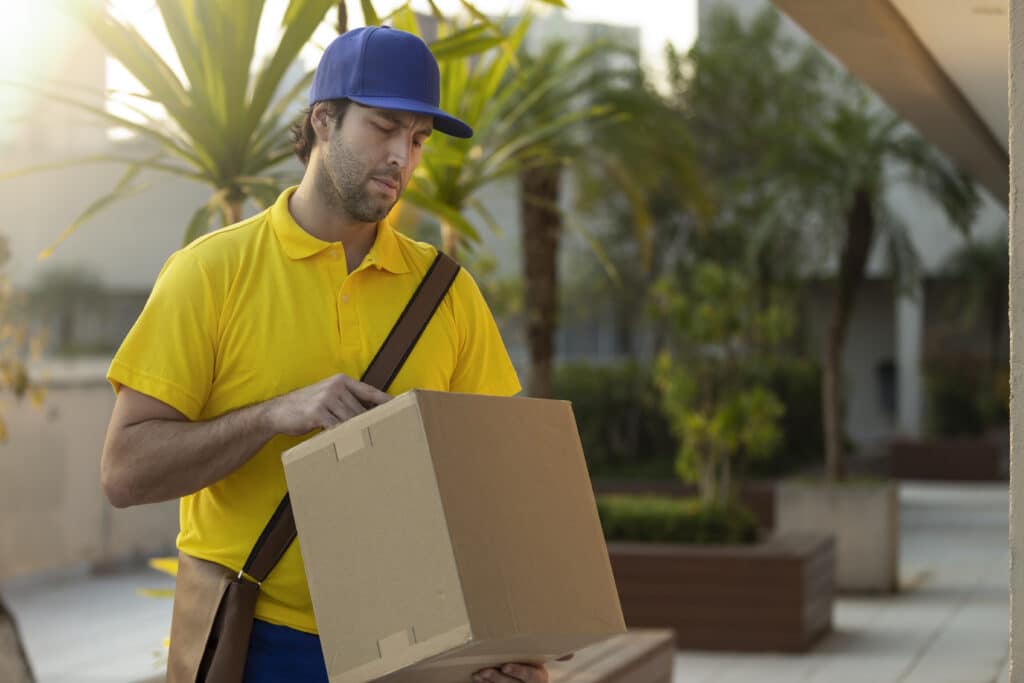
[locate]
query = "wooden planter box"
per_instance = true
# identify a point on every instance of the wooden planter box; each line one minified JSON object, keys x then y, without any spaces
{"x":774,"y":595}
{"x":949,"y":459}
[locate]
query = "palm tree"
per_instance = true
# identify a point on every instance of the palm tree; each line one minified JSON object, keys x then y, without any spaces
{"x":555,"y":82}
{"x":626,"y":153}
{"x":800,"y":160}
{"x":227,"y":123}
{"x":748,"y":94}
{"x":524,"y":130}
{"x":498,"y":95}
{"x":856,"y":156}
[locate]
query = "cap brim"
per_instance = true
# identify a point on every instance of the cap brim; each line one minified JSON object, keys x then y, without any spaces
{"x":443,"y":122}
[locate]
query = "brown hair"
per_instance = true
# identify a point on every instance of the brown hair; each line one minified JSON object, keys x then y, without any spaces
{"x":303,"y":135}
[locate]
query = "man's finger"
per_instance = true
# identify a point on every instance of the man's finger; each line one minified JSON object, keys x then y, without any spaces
{"x":513,"y":673}
{"x":493,"y":676}
{"x":527,"y":673}
{"x":328,"y":419}
{"x":370,"y":396}
{"x":352,"y":405}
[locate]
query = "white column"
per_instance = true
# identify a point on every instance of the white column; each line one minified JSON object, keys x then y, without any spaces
{"x":1016,"y":8}
{"x":909,"y":372}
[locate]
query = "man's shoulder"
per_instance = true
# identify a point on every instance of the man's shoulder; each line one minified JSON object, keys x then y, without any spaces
{"x":230,"y":242}
{"x":421,"y":254}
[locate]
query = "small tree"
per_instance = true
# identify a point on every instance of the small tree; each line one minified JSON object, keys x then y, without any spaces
{"x":718,"y":417}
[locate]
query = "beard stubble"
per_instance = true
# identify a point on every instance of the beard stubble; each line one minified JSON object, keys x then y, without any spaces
{"x":343,"y":182}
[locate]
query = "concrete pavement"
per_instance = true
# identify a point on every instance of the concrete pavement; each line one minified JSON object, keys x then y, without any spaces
{"x":948,"y":625}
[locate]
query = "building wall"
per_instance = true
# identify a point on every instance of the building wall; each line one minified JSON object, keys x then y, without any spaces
{"x":45,"y":48}
{"x":1016,"y":10}
{"x":869,"y":360}
{"x":53,"y":513}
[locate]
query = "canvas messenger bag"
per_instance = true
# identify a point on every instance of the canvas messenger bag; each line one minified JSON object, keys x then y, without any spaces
{"x":214,"y":607}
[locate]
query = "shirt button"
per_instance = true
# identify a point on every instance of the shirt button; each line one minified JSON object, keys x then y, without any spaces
{"x":344,"y":298}
{"x":334,"y":253}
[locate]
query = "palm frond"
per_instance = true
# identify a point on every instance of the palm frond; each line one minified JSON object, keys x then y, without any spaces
{"x":122,"y":190}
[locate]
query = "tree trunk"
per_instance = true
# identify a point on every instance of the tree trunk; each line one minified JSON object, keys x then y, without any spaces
{"x":725,"y":486}
{"x":860,"y":226}
{"x":342,"y":18}
{"x":539,"y":190}
{"x":708,"y":488}
{"x":625,"y":326}
{"x":235,"y":210}
{"x":449,"y":239}
{"x":14,"y":665}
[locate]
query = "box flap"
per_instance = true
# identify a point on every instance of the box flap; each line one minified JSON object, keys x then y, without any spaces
{"x":515,"y":489}
{"x":375,"y":544}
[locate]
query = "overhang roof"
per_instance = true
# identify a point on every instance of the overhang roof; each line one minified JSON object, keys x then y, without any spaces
{"x":941,"y":64}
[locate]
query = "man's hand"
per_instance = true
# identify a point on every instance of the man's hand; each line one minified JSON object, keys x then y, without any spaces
{"x":321,"y":405}
{"x":513,"y":673}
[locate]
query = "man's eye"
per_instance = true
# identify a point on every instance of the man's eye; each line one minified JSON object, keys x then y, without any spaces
{"x":385,"y":129}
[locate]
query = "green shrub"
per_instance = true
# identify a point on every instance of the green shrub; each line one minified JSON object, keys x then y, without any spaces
{"x":673,"y":520}
{"x":617,"y":408}
{"x":625,"y":433}
{"x":797,"y":383}
{"x":964,"y":396}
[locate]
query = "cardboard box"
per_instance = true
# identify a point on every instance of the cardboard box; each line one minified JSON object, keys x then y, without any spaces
{"x":445,"y":533}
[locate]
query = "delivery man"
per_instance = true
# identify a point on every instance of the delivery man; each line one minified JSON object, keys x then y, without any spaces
{"x":254,"y":335}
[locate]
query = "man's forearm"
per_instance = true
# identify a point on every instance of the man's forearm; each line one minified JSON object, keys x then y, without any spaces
{"x":159,"y":460}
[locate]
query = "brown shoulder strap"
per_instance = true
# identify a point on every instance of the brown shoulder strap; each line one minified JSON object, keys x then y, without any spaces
{"x":280,"y":531}
{"x":407,"y":331}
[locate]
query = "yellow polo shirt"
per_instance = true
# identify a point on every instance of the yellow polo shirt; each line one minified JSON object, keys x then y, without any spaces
{"x":262,"y":308}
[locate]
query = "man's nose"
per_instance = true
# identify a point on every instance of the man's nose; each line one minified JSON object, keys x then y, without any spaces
{"x":398,"y":154}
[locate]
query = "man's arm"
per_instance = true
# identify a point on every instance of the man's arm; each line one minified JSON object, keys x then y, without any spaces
{"x":153,"y":452}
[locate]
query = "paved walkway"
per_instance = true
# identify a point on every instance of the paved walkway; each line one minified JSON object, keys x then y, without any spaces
{"x":949,"y":625}
{"x":83,"y":628}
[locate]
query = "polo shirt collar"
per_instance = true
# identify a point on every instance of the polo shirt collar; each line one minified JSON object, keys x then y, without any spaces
{"x":386,"y":253}
{"x":298,"y":244}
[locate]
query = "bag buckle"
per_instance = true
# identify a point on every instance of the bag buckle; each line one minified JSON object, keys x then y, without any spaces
{"x":243,"y":576}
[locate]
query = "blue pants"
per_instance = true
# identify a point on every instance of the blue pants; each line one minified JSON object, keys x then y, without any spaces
{"x":280,"y":654}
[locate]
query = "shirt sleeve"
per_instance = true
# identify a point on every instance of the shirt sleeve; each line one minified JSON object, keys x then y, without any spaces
{"x":483,"y":365}
{"x":170,"y":350}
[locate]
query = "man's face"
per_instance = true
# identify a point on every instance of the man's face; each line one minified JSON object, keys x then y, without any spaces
{"x":366,"y":163}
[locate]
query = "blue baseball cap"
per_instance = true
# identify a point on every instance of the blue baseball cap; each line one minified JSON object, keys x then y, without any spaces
{"x":380,"y":66}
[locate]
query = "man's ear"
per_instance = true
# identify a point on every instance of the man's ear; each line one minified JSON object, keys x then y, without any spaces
{"x":321,"y":120}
